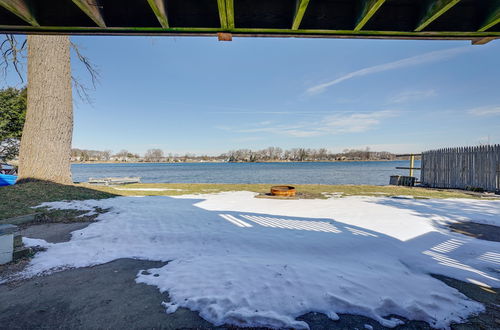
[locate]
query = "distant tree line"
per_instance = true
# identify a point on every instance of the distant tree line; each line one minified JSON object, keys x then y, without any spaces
{"x":303,"y":154}
{"x":151,"y":155}
{"x":84,"y":155}
{"x":269,"y":154}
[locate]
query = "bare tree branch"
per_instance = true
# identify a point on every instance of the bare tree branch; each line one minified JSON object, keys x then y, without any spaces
{"x":91,"y":68}
{"x":81,"y":89}
{"x":12,"y":54}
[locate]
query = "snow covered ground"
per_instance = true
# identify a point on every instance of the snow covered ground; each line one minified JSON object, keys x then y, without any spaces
{"x":246,"y":261}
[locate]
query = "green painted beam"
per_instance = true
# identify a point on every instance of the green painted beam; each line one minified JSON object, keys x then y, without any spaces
{"x":230,"y":14}
{"x":435,"y":10}
{"x":226,"y":14}
{"x":492,"y":20}
{"x":198,"y":31}
{"x":221,"y":4}
{"x":158,"y":7}
{"x":371,"y":34}
{"x":370,"y":7}
{"x":299,"y":13}
{"x":92,"y":10}
{"x":21,"y":9}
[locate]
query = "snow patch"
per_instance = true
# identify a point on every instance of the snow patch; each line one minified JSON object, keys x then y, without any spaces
{"x":36,"y":242}
{"x":245,"y":261}
{"x":148,"y":189}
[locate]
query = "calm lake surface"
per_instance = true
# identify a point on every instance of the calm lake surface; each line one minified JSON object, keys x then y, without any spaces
{"x":373,"y":173}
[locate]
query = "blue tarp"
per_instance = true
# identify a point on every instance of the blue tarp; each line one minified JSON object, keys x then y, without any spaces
{"x":7,"y":180}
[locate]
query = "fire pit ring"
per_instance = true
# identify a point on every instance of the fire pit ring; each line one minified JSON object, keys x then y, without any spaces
{"x":286,"y":191}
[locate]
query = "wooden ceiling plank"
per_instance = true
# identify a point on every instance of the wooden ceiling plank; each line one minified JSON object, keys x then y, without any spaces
{"x":299,"y":13}
{"x":436,"y":9}
{"x":370,"y":7}
{"x":20,"y":8}
{"x":93,"y":10}
{"x":158,"y":7}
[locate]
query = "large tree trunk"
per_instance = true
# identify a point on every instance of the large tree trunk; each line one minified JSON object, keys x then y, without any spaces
{"x":46,"y":141}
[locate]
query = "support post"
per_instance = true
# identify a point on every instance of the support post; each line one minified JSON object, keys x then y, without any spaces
{"x":412,"y":163}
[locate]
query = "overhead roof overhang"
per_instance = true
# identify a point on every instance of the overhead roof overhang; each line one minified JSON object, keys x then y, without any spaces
{"x":476,"y":20}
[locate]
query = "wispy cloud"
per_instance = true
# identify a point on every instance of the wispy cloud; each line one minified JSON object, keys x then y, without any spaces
{"x":412,"y":95}
{"x":429,"y":57}
{"x":340,"y":123}
{"x":485,"y":111}
{"x":249,"y":139}
{"x":355,"y":123}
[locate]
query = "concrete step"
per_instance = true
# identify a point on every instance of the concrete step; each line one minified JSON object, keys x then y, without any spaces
{"x":18,"y":240}
{"x":21,"y":252}
{"x":6,"y":242}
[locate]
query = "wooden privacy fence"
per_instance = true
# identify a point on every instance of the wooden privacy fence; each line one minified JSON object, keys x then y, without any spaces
{"x":464,"y":168}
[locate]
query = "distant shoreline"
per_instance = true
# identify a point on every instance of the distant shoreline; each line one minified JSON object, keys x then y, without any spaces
{"x":261,"y":162}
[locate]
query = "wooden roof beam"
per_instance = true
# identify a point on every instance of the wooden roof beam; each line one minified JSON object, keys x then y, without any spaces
{"x":20,"y":8}
{"x":158,"y":7}
{"x":493,"y":19}
{"x":370,"y":7}
{"x":482,"y":41}
{"x":230,"y":14}
{"x":221,"y":4}
{"x":300,"y":10}
{"x":93,"y":10}
{"x":436,"y":9}
{"x":226,"y":14}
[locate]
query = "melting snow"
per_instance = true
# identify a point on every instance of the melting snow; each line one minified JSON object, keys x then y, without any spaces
{"x":245,"y":261}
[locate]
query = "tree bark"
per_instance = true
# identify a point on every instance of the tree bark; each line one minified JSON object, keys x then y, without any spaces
{"x":46,"y":141}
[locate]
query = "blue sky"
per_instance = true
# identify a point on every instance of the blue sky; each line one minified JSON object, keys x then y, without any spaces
{"x":203,"y":96}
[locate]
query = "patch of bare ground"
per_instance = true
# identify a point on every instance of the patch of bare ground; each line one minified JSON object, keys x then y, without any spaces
{"x":477,"y":230}
{"x":106,"y":296}
{"x":490,"y":319}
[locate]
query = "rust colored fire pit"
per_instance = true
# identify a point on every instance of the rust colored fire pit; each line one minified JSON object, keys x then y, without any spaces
{"x":287,"y":191}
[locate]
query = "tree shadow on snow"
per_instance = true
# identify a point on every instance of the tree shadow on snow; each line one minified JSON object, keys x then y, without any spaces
{"x":433,"y":248}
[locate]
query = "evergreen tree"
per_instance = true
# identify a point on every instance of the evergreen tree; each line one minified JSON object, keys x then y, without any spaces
{"x":12,"y":116}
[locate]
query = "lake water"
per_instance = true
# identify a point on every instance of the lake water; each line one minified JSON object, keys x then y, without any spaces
{"x":373,"y":173}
